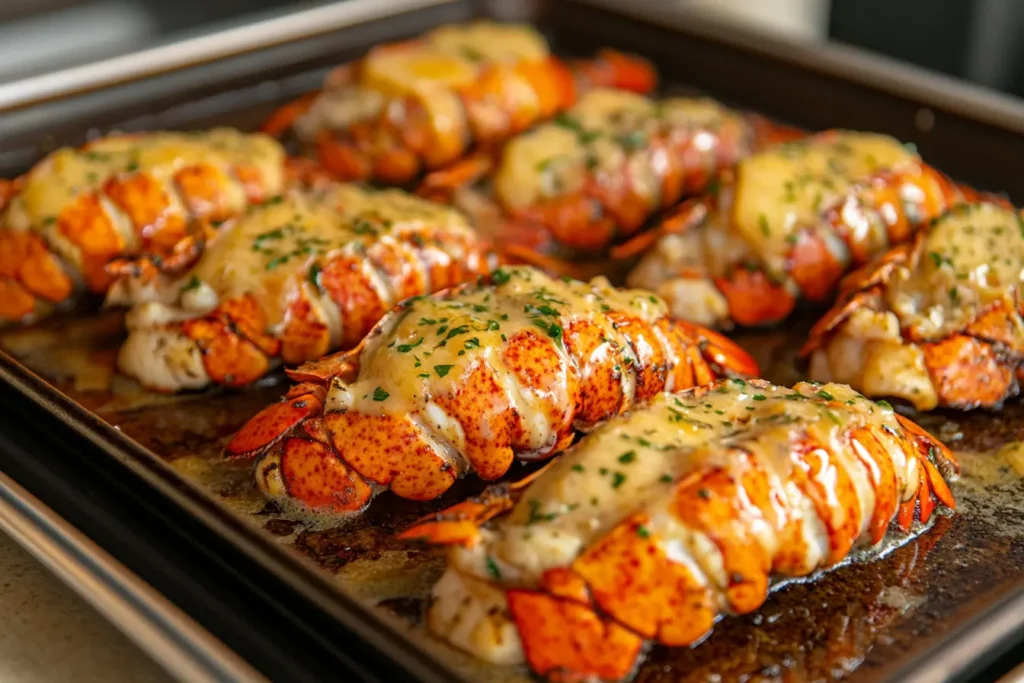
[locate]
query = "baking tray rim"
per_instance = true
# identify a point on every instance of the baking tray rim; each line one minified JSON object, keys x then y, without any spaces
{"x":301,"y":574}
{"x":177,"y":643}
{"x":202,"y":49}
{"x":298,"y":572}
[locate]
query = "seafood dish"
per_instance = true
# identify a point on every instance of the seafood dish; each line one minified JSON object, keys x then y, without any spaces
{"x":664,"y":519}
{"x":577,"y":377}
{"x":421,"y":104}
{"x":935,"y":322}
{"x":597,"y":173}
{"x":306,"y":273}
{"x":798,"y":216}
{"x":152,"y":194}
{"x":468,"y":380}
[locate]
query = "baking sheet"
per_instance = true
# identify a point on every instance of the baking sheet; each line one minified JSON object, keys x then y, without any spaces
{"x":862,"y":621}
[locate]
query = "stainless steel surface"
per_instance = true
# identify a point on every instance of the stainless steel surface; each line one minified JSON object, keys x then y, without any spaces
{"x":169,"y":636}
{"x":218,"y":45}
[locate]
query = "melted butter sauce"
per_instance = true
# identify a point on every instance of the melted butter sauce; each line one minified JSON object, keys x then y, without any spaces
{"x":57,"y":182}
{"x":1013,"y":453}
{"x":429,"y":70}
{"x":431,"y":343}
{"x":596,"y":138}
{"x":280,"y":245}
{"x":783,"y":189}
{"x":632,"y":463}
{"x":972,"y":257}
{"x":488,"y":41}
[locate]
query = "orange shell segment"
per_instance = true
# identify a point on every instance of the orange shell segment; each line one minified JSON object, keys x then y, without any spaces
{"x":566,"y":641}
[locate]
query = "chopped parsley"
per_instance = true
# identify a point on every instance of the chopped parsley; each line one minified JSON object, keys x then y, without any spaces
{"x":492,"y":568}
{"x":473,"y":55}
{"x":633,"y":140}
{"x":536,"y":515}
{"x":278,"y":261}
{"x":554,"y":330}
{"x":825,"y":395}
{"x":406,"y":348}
{"x":627,"y":457}
{"x":314,"y":276}
{"x":643,"y":532}
{"x":380,"y":395}
{"x":276,"y":234}
{"x":442,"y":370}
{"x":193,"y":283}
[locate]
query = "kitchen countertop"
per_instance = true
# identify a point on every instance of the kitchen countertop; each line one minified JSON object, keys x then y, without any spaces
{"x":50,"y":634}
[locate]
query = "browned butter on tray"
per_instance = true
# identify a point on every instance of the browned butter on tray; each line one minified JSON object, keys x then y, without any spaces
{"x":855,"y":622}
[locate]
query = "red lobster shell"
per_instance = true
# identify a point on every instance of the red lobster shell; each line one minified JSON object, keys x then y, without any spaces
{"x":467,"y":381}
{"x":664,"y":519}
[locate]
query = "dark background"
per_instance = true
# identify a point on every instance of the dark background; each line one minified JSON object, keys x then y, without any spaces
{"x":976,"y":40}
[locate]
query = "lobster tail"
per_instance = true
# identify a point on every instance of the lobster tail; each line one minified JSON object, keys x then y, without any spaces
{"x":965,"y":348}
{"x":662,"y":520}
{"x":795,"y":220}
{"x":318,"y":268}
{"x":467,"y":380}
{"x":149,"y":194}
{"x":595,"y":175}
{"x":422,"y":104}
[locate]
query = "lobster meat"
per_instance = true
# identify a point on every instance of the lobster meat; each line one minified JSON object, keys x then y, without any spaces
{"x":597,"y":173}
{"x":306,"y":273}
{"x":664,"y":519}
{"x":156,"y":194}
{"x":798,"y":217}
{"x":421,"y":104}
{"x":467,"y":380}
{"x":936,"y":322}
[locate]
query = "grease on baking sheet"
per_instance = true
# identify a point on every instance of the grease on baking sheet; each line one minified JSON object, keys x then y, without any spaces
{"x":855,"y":623}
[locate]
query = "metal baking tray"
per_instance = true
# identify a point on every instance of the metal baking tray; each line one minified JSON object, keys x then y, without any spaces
{"x":939,"y":608}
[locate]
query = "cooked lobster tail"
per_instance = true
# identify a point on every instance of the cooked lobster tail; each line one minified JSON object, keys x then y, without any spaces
{"x":798,"y":217}
{"x":597,"y":174}
{"x":294,"y":280}
{"x":936,"y":322}
{"x":468,"y":380}
{"x":663,"y":520}
{"x":154,"y":193}
{"x":421,"y":104}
